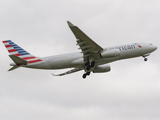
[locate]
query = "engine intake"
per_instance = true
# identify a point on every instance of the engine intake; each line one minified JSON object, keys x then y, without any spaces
{"x":110,"y":53}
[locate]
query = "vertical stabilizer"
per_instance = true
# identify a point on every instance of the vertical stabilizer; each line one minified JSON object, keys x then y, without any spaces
{"x":19,"y":54}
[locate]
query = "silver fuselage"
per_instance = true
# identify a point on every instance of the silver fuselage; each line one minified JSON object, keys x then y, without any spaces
{"x":76,"y":59}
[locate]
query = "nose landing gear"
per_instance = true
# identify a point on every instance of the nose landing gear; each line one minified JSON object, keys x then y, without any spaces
{"x":144,"y":56}
{"x":145,"y":59}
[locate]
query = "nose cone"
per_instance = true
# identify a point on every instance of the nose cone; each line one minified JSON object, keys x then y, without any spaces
{"x":148,"y":48}
{"x":153,"y":48}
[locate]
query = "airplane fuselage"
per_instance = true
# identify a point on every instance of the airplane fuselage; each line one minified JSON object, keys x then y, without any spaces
{"x":76,"y":59}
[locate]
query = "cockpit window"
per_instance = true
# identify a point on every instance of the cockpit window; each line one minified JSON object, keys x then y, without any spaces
{"x":150,"y":44}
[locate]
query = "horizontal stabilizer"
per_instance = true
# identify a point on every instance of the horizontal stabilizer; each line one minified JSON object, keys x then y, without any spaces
{"x":14,"y":67}
{"x":18,"y":60}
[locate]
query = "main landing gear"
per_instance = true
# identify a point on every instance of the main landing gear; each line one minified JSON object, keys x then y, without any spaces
{"x":85,"y":74}
{"x":88,"y":67}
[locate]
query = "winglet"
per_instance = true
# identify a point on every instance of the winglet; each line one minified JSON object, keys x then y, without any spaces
{"x":70,"y":24}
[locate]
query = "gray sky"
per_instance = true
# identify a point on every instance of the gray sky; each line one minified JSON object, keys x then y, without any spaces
{"x":130,"y":91}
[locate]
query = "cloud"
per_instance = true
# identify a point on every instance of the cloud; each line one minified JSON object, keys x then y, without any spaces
{"x":129,"y":91}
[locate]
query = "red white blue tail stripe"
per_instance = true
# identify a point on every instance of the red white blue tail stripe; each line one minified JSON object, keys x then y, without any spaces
{"x":14,"y":49}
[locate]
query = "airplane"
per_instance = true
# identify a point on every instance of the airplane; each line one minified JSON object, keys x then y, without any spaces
{"x":92,"y":58}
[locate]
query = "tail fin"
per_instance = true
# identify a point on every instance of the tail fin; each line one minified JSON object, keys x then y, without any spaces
{"x":19,"y":55}
{"x":14,"y":49}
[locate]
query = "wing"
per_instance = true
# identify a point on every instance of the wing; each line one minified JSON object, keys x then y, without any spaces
{"x":68,"y":72}
{"x":89,"y":48}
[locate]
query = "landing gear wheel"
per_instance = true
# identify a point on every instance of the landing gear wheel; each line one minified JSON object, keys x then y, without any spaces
{"x":88,"y":67}
{"x":88,"y":73}
{"x":145,"y":59}
{"x":92,"y":64}
{"x":84,"y":76}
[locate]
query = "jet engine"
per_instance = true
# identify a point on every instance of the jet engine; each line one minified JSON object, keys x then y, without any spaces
{"x":110,"y":53}
{"x":102,"y":68}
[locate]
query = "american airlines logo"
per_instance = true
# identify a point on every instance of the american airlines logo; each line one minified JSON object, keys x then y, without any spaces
{"x":139,"y":46}
{"x":129,"y":47}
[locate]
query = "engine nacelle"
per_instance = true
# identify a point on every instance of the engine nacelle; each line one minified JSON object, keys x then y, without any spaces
{"x":102,"y":68}
{"x":110,"y":53}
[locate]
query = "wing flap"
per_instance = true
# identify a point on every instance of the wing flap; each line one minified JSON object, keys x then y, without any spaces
{"x":68,"y":72}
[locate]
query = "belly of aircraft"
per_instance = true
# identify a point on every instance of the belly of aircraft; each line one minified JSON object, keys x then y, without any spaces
{"x":63,"y":62}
